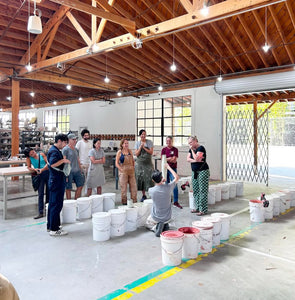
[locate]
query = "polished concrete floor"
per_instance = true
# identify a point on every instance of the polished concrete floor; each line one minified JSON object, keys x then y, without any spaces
{"x":257,"y":262}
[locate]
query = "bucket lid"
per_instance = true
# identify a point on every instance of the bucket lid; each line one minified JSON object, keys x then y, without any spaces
{"x":83,"y":199}
{"x":117,"y":211}
{"x":173,"y":234}
{"x":100,"y":214}
{"x":189,"y":230}
{"x":69,"y":202}
{"x":220,"y":215}
{"x":95,"y":196}
{"x":211,"y":219}
{"x":203,"y":225}
{"x":255,"y":201}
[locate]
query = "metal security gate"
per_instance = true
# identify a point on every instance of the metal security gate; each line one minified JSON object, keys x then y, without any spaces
{"x":247,"y":143}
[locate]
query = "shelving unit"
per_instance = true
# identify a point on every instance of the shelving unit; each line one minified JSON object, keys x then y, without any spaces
{"x":5,"y":142}
{"x":30,"y":139}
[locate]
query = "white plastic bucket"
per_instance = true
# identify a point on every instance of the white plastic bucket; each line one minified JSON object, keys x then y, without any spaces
{"x":224,"y":191}
{"x":292,"y":197}
{"x":232,"y":190}
{"x":96,"y":203}
{"x":172,"y":243}
{"x":131,"y":217}
{"x":268,"y":211}
{"x":216,"y":228}
{"x":276,"y":204}
{"x":101,"y":222}
{"x":118,"y":219}
{"x":217,"y":193}
{"x":84,"y":208}
{"x":141,"y":214}
{"x":206,"y":235}
{"x":211,"y":194}
{"x":225,"y":225}
{"x":283,"y":202}
{"x":256,"y":211}
{"x":191,"y":200}
{"x":240,"y":188}
{"x":109,"y":200}
{"x":191,"y":242}
{"x":69,"y":211}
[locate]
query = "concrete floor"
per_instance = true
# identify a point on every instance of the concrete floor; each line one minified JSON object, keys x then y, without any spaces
{"x":257,"y":262}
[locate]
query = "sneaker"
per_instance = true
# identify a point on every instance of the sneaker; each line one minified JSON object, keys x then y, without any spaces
{"x":177,"y":205}
{"x":166,"y":227}
{"x":143,"y":198}
{"x":58,"y":233}
{"x":39,"y":216}
{"x":159,"y":229}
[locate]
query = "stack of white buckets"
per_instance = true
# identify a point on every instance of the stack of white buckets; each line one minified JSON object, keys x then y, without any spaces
{"x":106,"y":220}
{"x":188,"y":242}
{"x":278,"y":203}
{"x":222,"y":191}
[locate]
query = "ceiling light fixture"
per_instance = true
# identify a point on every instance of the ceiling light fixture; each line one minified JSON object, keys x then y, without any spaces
{"x":160,"y":88}
{"x":34,"y":22}
{"x":205,"y":9}
{"x":136,"y":43}
{"x":28,"y":66}
{"x":32,"y":105}
{"x":173,"y":66}
{"x":32,"y":94}
{"x":8,"y":98}
{"x":80,"y":98}
{"x":54,"y":102}
{"x":219,"y":78}
{"x":106,"y":79}
{"x":266,"y":45}
{"x":119,"y":94}
{"x":69,"y":87}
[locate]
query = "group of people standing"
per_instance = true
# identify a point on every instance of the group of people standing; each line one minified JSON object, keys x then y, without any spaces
{"x":87,"y":158}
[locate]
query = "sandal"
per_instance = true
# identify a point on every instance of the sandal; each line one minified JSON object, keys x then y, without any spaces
{"x":201,"y":213}
{"x":193,"y":211}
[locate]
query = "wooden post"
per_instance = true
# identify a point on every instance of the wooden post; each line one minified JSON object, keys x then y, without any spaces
{"x":14,"y":119}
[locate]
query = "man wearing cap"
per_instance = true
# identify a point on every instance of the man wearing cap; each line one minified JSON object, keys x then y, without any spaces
{"x":161,"y":195}
{"x":76,"y":174}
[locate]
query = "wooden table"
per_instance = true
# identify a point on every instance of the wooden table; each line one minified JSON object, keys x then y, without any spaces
{"x":9,"y":172}
{"x":4,"y":163}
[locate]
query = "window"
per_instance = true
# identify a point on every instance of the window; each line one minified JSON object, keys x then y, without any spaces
{"x":58,"y":118}
{"x":167,"y":116}
{"x":26,"y":117}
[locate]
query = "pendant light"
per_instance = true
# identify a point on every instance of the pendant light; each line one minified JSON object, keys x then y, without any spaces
{"x":266,"y":45}
{"x":34,"y":22}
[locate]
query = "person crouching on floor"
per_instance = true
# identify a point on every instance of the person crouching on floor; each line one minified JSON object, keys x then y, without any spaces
{"x":161,"y":195}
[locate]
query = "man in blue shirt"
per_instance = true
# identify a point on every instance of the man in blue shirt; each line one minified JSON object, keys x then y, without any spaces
{"x":56,"y":184}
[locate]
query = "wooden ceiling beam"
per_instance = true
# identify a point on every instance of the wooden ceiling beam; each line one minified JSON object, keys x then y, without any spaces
{"x":187,"y":5}
{"x":253,"y":40}
{"x":115,"y":18}
{"x":219,"y":10}
{"x":280,"y":31}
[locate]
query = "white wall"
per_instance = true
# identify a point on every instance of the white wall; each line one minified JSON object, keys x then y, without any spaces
{"x":120,"y":118}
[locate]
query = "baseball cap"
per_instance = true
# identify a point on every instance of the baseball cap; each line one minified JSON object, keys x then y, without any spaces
{"x":72,"y":136}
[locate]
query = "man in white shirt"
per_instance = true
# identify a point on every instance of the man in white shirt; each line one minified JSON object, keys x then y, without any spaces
{"x":84,"y":146}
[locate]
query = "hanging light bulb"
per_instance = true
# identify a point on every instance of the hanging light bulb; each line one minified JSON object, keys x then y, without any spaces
{"x":205,"y":10}
{"x":106,"y":79}
{"x":119,"y":94}
{"x":219,"y":78}
{"x":160,"y":88}
{"x":54,"y":102}
{"x":32,"y":94}
{"x":80,"y":98}
{"x":32,"y":105}
{"x":173,"y":67}
{"x":266,"y":46}
{"x":29,"y":67}
{"x":69,"y":87}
